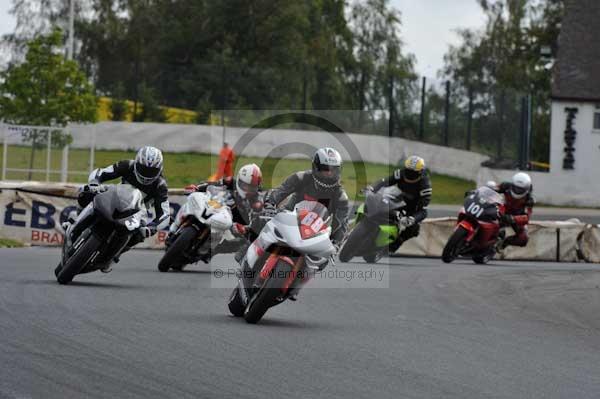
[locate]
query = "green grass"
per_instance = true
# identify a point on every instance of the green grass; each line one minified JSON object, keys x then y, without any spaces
{"x":186,"y":168}
{"x":8,"y":243}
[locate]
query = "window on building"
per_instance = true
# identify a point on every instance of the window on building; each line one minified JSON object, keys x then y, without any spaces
{"x":597,"y":117}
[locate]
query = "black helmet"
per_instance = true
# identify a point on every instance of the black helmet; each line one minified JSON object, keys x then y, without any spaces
{"x":327,"y":167}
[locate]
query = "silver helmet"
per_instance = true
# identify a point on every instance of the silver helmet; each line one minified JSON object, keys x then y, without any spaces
{"x":148,"y":165}
{"x":327,"y":167}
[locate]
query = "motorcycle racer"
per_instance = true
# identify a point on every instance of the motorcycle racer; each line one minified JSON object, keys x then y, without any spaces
{"x":519,"y":207}
{"x":144,"y":173}
{"x":414,"y":182}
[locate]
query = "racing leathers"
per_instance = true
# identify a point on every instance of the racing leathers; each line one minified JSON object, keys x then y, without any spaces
{"x":301,"y":186}
{"x":417,"y":196}
{"x":517,"y":215}
{"x":155,"y":195}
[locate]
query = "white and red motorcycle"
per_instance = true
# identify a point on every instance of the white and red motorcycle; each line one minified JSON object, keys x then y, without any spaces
{"x":204,"y":222}
{"x":291,"y":247}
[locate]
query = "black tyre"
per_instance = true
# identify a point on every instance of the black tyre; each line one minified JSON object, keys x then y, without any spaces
{"x":173,"y":257}
{"x":58,"y":269}
{"x":373,"y":257}
{"x":268,"y":294}
{"x":454,"y":244}
{"x":484,"y":259}
{"x":356,"y":241}
{"x":79,"y":260}
{"x":236,"y":306}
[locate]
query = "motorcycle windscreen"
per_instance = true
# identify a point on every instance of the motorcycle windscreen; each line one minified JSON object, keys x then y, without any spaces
{"x":488,"y":196}
{"x":312,"y":218}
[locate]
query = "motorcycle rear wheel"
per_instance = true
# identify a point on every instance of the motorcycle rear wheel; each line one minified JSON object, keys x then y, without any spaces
{"x":235,"y":304}
{"x":454,"y":244}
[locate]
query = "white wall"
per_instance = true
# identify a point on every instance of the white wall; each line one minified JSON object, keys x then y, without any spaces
{"x":276,"y":143}
{"x":577,"y":187}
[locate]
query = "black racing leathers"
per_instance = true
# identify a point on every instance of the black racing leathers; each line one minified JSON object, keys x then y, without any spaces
{"x":417,"y":195}
{"x":155,"y":194}
{"x":302,"y":186}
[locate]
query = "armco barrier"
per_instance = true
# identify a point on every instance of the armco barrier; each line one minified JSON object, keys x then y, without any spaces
{"x":32,"y":213}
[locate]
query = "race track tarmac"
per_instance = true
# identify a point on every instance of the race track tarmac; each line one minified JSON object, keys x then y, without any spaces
{"x":423,"y":330}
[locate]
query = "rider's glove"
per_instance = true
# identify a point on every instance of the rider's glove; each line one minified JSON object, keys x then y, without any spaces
{"x":269,"y":210}
{"x":239,"y":229}
{"x":368,"y":189}
{"x":508,"y":220}
{"x":148,"y":231}
{"x":406,"y":221}
{"x":91,"y":187}
{"x":190,"y":188}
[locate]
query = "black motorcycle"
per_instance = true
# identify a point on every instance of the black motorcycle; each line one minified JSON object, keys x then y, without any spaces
{"x":102,"y":231}
{"x":374,"y":227}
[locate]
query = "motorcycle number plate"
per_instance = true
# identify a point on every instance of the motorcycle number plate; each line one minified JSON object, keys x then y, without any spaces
{"x":312,"y":220}
{"x":475,"y":209}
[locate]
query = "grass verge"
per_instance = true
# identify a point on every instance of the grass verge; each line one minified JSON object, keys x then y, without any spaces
{"x":8,"y":243}
{"x":186,"y":168}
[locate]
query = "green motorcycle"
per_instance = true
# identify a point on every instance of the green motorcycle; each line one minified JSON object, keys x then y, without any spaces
{"x":375,"y":225}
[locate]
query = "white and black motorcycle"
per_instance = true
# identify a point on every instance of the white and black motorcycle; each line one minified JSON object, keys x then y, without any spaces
{"x":205,"y":221}
{"x":291,"y":247}
{"x":102,"y":230}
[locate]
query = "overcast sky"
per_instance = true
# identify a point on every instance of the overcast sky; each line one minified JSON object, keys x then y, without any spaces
{"x":427,"y":30}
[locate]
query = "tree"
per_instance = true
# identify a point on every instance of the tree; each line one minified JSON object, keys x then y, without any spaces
{"x":504,"y":60}
{"x":46,"y":90}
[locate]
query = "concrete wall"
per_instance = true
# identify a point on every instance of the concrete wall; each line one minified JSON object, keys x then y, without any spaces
{"x":577,"y":187}
{"x":275,"y":143}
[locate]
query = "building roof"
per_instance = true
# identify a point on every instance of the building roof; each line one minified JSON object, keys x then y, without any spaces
{"x":577,"y":69}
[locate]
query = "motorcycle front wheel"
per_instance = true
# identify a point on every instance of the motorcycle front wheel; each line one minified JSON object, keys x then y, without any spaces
{"x":454,"y":244}
{"x":78,"y":261}
{"x":269,"y":293}
{"x":173,"y":257}
{"x":356,"y":241}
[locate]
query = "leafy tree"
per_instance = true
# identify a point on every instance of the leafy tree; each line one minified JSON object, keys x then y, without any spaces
{"x":46,"y":90}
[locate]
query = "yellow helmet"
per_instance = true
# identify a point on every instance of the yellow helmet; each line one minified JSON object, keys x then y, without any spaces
{"x":414,"y":168}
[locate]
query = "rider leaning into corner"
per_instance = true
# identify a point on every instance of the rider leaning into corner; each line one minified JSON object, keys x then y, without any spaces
{"x":322,"y":184}
{"x":143,"y":173}
{"x":519,"y":207}
{"x":246,"y":202}
{"x":414,"y":182}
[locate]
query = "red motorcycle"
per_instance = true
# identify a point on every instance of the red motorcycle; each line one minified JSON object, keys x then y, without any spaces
{"x":478,"y":228}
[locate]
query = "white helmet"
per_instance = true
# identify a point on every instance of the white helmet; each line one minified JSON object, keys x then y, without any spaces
{"x":327,"y":167}
{"x":148,"y":165}
{"x":520,"y":185}
{"x":248,"y":180}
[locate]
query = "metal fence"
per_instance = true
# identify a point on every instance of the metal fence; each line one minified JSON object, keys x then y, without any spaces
{"x":41,"y":153}
{"x":499,"y":123}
